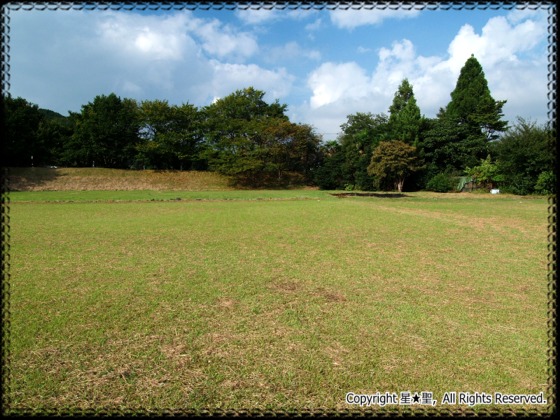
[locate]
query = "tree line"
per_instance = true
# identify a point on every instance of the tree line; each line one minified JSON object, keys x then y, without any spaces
{"x":255,"y":143}
{"x":468,"y":138}
{"x":241,"y":136}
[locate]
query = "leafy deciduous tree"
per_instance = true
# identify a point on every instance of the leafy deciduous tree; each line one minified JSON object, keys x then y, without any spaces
{"x":329,"y":176}
{"x":393,"y":161}
{"x":487,"y":173}
{"x":170,"y":136}
{"x":254,"y":141}
{"x":360,"y":136}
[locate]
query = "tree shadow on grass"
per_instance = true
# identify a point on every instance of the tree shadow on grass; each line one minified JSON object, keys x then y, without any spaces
{"x":29,"y":179}
{"x":378,"y":195}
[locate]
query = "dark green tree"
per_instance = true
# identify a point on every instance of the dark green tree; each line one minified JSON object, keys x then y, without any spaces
{"x":55,"y":132}
{"x":329,"y":176}
{"x":105,"y":133}
{"x":22,"y":120}
{"x":170,"y":136}
{"x":522,"y":154}
{"x":445,"y":149}
{"x":361,"y":134}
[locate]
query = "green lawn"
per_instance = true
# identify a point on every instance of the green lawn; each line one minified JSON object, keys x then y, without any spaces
{"x":272,"y":300}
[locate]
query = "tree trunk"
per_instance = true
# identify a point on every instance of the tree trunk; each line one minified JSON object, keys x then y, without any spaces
{"x":400,"y":184}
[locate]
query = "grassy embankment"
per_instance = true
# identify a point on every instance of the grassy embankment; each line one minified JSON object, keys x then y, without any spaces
{"x":102,"y":179}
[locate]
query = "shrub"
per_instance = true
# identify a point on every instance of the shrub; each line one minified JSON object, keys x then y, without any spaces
{"x":545,"y":184}
{"x":440,"y":183}
{"x":517,"y":184}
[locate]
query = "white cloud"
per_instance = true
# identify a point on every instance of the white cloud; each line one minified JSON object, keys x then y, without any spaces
{"x":314,"y":26}
{"x":61,"y":60}
{"x":289,"y":52}
{"x":263,"y":15}
{"x":149,"y":37}
{"x":502,"y":39}
{"x":257,"y":16}
{"x":301,"y":13}
{"x":513,"y":63}
{"x":395,"y":64}
{"x":521,"y":14}
{"x":352,"y":18}
{"x":228,"y":78}
{"x":331,"y":82}
{"x":222,"y":41}
{"x":351,"y":85}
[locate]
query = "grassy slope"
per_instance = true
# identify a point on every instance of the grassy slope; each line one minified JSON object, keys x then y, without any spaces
{"x":80,"y":179}
{"x":233,"y":302}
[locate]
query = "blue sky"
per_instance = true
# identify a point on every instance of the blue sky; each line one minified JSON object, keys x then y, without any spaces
{"x":324,"y":64}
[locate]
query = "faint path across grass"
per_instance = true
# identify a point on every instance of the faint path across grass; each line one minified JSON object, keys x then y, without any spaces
{"x":153,"y":195}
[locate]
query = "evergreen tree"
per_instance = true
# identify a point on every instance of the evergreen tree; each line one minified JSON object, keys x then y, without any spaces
{"x":472,"y":104}
{"x":405,"y":119}
{"x":460,"y":136}
{"x":402,"y":96}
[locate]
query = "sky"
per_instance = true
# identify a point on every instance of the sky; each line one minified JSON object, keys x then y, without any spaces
{"x":324,"y":64}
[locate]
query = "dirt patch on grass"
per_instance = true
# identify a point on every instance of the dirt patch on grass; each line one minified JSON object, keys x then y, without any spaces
{"x":226,"y":303}
{"x":362,"y":194}
{"x":329,"y":295}
{"x":286,"y":286}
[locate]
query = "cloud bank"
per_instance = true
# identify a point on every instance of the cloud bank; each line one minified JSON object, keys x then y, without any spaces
{"x":62,"y":59}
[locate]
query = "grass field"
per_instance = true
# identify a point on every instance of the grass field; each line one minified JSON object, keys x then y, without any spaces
{"x":272,"y":300}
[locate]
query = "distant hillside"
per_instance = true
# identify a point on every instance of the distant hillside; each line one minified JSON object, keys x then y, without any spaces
{"x":53,"y":115}
{"x":80,"y":179}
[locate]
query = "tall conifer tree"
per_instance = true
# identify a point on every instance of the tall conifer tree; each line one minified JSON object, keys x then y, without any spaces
{"x":460,"y":136}
{"x":405,"y":119}
{"x":472,"y":104}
